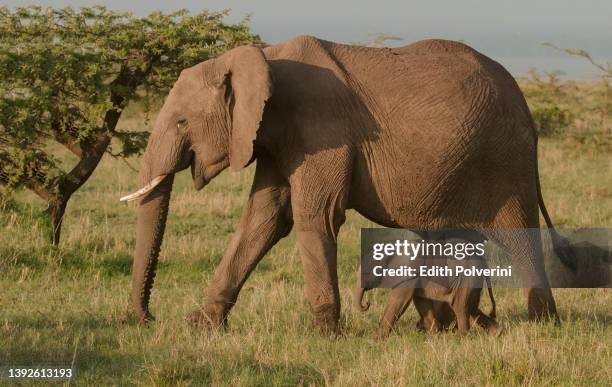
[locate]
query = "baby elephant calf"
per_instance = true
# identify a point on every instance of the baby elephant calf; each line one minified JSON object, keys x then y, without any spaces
{"x":462,"y":295}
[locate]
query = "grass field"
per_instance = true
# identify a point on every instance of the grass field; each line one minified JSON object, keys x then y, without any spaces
{"x":70,"y":305}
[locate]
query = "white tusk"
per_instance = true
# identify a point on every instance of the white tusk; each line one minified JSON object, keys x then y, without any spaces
{"x":144,"y":190}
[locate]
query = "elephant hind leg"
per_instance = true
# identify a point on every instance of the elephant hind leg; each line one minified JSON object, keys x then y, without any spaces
{"x":516,"y":230}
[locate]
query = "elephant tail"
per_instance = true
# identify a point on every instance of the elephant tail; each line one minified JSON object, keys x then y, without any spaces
{"x":358,"y":293}
{"x":493,"y":313}
{"x":561,"y":245}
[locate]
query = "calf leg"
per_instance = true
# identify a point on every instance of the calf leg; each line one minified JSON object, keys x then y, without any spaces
{"x":398,"y":302}
{"x":428,"y":322}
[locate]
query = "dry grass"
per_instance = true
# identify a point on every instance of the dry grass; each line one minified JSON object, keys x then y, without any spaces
{"x":72,"y":302}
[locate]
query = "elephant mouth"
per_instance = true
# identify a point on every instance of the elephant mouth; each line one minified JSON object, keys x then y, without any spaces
{"x":144,"y":191}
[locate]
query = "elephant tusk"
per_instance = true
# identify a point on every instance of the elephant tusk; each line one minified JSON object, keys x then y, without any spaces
{"x":144,"y":190}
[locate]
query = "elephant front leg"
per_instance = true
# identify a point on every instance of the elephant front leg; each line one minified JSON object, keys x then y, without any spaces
{"x":319,"y":195}
{"x":318,"y":253}
{"x":265,"y":220}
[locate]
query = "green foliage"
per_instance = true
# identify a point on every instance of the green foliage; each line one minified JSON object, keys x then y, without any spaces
{"x":602,"y":105}
{"x":550,"y":119}
{"x":547,"y":96}
{"x":66,"y":75}
{"x":577,"y":112}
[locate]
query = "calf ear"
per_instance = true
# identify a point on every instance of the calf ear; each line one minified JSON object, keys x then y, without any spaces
{"x":251,"y":86}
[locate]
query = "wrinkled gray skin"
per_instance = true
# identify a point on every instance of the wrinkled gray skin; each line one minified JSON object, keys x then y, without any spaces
{"x":430,"y":135}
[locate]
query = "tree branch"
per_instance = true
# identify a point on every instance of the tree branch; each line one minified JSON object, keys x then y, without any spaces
{"x":91,"y":156}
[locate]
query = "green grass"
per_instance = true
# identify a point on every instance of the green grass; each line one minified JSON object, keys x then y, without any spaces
{"x":70,"y":305}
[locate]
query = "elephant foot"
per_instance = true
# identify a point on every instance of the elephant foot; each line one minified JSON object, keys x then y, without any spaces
{"x":144,"y":317}
{"x":326,"y":320}
{"x":206,"y":319}
{"x":541,"y":306}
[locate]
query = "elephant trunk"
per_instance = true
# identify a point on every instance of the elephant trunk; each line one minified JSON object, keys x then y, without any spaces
{"x":152,"y":214}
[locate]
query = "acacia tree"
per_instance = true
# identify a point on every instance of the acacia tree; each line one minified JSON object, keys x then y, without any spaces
{"x":603,"y":103}
{"x":66,"y":76}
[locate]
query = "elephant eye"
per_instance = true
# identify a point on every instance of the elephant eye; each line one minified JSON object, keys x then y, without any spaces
{"x":181,"y":124}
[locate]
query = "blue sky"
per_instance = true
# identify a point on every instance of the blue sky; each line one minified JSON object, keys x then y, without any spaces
{"x":509,"y":31}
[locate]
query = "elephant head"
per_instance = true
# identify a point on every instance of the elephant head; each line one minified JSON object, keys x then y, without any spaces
{"x":208,"y":122}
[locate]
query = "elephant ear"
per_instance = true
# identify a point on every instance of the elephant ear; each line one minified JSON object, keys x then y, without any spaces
{"x":252,"y":86}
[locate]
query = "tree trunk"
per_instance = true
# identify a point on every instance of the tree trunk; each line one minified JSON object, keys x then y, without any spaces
{"x":55,"y":211}
{"x":71,"y":182}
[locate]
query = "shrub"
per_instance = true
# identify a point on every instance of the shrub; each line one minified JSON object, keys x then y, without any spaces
{"x":550,"y":119}
{"x":549,"y":99}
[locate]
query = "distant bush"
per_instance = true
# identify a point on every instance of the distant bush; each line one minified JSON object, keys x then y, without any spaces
{"x":573,"y":110}
{"x":550,"y":120}
{"x":602,"y":105}
{"x":548,"y":98}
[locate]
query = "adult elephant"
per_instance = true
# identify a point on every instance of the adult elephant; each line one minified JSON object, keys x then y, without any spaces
{"x":431,"y":135}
